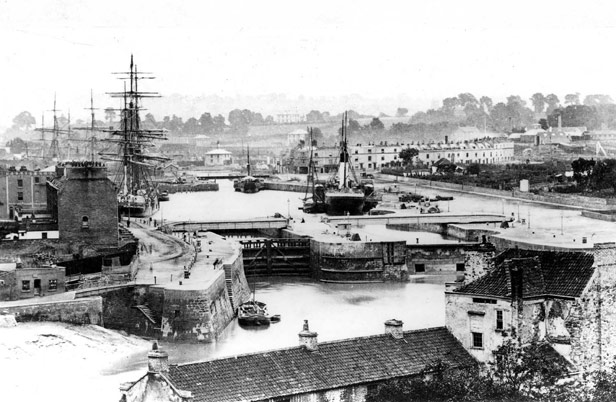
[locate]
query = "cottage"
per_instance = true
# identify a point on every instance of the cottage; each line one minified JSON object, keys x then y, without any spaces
{"x":339,"y":370}
{"x":218,"y":157}
{"x":17,"y":282}
{"x":545,"y":296}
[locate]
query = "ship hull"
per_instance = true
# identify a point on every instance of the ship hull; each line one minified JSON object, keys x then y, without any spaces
{"x":343,"y":203}
{"x":137,"y":211}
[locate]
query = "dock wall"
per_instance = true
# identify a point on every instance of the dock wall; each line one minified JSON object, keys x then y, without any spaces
{"x":79,"y":311}
{"x":552,"y":198}
{"x":196,"y":315}
{"x":358,"y":261}
{"x":285,"y":186}
{"x":184,"y":188}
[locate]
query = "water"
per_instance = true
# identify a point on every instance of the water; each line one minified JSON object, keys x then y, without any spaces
{"x":334,"y":311}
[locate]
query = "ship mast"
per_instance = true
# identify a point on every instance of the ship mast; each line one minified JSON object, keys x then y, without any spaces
{"x":248,"y":166}
{"x":132,"y":140}
{"x":54,"y":148}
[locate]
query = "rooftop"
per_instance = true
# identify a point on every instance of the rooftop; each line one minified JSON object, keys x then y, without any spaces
{"x":543,"y":273}
{"x":335,"y":364}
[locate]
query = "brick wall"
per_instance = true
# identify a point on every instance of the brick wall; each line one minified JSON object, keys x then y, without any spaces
{"x":119,"y":312}
{"x":81,"y":311}
{"x":34,"y":194}
{"x":236,"y":280}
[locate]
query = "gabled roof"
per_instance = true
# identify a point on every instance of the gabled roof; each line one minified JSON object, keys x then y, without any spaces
{"x":297,"y":370}
{"x":543,"y":273}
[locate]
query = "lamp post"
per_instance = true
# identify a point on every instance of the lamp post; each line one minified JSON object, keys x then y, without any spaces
{"x":561,"y":223}
{"x":289,"y":208}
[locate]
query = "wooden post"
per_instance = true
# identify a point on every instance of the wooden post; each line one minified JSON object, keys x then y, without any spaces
{"x":268,"y":253}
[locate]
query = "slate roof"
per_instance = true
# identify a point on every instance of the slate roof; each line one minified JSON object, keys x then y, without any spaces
{"x":543,"y":273}
{"x":336,"y":364}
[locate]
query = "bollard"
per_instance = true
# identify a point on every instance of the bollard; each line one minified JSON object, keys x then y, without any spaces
{"x":155,"y":280}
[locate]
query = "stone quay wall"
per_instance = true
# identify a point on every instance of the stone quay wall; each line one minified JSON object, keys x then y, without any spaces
{"x":80,"y":311}
{"x":196,"y":315}
{"x":358,"y":261}
{"x":237,"y":285}
{"x":554,"y":198}
{"x":285,"y":186}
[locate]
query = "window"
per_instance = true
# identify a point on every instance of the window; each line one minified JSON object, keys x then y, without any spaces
{"x":427,"y":156}
{"x":484,"y":301}
{"x":369,"y":151}
{"x":370,"y":158}
{"x":499,"y":319}
{"x":467,"y":154}
{"x":382,"y":150}
{"x":356,"y":159}
{"x":477,"y":340}
{"x":20,"y":182}
{"x":316,"y":154}
{"x":355,"y":152}
{"x":44,"y":235}
{"x":420,"y":268}
{"x":460,"y":267}
{"x":37,"y":179}
{"x":382,"y":158}
{"x":25,"y":286}
{"x":20,"y":196}
{"x":177,"y":313}
{"x":85,"y":222}
{"x":53,"y":285}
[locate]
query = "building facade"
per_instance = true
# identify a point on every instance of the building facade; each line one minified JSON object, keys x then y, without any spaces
{"x":563,"y":299}
{"x":218,"y":157}
{"x":23,"y":192}
{"x":17,"y":282}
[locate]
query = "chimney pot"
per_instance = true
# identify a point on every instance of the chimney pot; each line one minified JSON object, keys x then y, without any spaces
{"x":393,"y":327}
{"x":158,"y":360}
{"x":308,"y":338}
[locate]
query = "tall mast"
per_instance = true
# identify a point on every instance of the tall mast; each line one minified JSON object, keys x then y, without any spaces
{"x":248,"y":166}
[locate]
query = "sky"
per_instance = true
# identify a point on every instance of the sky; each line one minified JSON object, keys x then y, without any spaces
{"x":391,"y":51}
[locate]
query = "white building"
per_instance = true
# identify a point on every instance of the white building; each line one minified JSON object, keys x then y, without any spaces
{"x":218,"y":157}
{"x":295,"y":136}
{"x":374,"y":157}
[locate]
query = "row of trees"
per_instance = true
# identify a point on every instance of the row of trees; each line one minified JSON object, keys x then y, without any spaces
{"x":515,"y":115}
{"x":591,"y":175}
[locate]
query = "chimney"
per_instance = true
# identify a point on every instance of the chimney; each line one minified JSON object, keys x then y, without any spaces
{"x":516,"y":273}
{"x":158,"y":360}
{"x":308,"y":338}
{"x":393,"y":327}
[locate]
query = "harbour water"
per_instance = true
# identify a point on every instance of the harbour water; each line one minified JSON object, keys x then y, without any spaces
{"x":335,"y":311}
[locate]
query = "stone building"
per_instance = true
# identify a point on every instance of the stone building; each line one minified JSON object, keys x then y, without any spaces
{"x":23,"y":192}
{"x":563,"y":299}
{"x":340,"y":370}
{"x":218,"y":157}
{"x":83,"y":201}
{"x":17,"y":282}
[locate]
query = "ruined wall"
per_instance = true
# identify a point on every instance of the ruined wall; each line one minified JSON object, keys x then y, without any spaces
{"x":358,"y":261}
{"x":119,"y":312}
{"x":196,"y":315}
{"x":461,"y":325}
{"x":478,"y":261}
{"x":81,"y":311}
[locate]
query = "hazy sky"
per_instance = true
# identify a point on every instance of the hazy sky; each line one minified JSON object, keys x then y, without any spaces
{"x":422,"y":50}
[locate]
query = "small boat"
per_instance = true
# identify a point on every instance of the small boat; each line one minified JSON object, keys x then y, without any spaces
{"x":253,"y":313}
{"x":163,"y":196}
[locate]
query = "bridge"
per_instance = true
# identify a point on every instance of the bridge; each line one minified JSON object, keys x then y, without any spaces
{"x":227,"y":225}
{"x":280,"y":257}
{"x":441,"y":218}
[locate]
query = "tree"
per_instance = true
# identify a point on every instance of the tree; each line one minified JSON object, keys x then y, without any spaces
{"x":538,"y":101}
{"x":376,"y":124}
{"x":552,"y":101}
{"x":150,"y":121}
{"x":17,"y":145}
{"x":486,"y":104}
{"x":191,"y":126}
{"x":206,"y":123}
{"x":604,"y":175}
{"x":24,"y":120}
{"x":401,"y":112}
{"x":582,"y":169}
{"x":450,"y":104}
{"x":239,"y":120}
{"x":407,"y":154}
{"x":572,"y":99}
{"x":317,"y":136}
{"x":544,"y":123}
{"x":314,"y":116}
{"x":219,"y":123}
{"x":596,"y":100}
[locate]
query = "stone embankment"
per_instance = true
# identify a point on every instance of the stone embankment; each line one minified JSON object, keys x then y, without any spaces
{"x":588,"y":203}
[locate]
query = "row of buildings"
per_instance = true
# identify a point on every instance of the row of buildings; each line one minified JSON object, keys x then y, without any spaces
{"x":374,"y":156}
{"x":562,"y":300}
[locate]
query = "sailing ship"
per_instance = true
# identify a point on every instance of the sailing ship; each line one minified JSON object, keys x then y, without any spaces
{"x":137,"y":194}
{"x":248,"y":184}
{"x":345,"y":198}
{"x":314,"y":203}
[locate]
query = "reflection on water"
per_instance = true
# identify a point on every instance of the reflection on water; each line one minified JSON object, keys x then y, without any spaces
{"x":334,"y":311}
